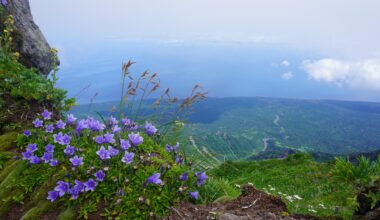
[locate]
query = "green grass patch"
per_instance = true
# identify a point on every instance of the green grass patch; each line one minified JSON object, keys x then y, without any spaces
{"x":306,"y":186}
{"x":219,"y":189}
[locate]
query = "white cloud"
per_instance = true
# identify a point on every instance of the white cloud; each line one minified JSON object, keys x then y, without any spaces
{"x":310,"y":25}
{"x":287,"y":75}
{"x":363,"y":74}
{"x":285,"y":63}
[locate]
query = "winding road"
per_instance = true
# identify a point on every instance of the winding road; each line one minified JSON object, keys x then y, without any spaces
{"x":265,"y":141}
{"x":276,"y":120}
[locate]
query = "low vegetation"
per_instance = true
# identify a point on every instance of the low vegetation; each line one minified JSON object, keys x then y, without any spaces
{"x":364,"y":177}
{"x":307,"y":187}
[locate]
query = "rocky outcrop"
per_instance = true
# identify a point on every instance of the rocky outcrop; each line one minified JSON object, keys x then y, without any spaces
{"x":251,"y":204}
{"x":29,"y":40}
{"x":371,"y":215}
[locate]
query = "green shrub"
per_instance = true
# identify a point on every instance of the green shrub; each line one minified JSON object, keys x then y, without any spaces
{"x":364,"y":177}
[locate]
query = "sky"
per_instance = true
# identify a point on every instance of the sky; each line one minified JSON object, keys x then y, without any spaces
{"x":317,"y":49}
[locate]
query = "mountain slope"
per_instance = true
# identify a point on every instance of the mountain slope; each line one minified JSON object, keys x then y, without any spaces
{"x":241,"y":125}
{"x":239,"y":128}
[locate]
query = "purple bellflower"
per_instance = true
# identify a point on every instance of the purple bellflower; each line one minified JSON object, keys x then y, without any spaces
{"x":99,"y":139}
{"x":53,"y":195}
{"x":194,"y":195}
{"x":80,"y":185}
{"x":135,"y":139}
{"x":62,"y":139}
{"x":100,"y":175}
{"x":27,"y":133}
{"x":184,"y":176}
{"x":202,"y":177}
{"x":76,"y":161}
{"x":108,"y":138}
{"x":94,"y":125}
{"x":31,"y":147}
{"x":124,"y":144}
{"x":34,"y":160}
{"x":49,"y":148}
{"x":27,"y":155}
{"x":58,"y":137}
{"x":115,"y":129}
{"x":150,"y":129}
{"x":46,"y":114}
{"x":66,"y":139}
{"x":70,"y":119}
{"x":53,"y":163}
{"x":90,"y":185}
{"x":74,"y":192}
{"x":112,"y":151}
{"x":69,"y":150}
{"x":60,"y":124}
{"x":62,"y":187}
{"x":129,"y":124}
{"x":155,"y":179}
{"x":112,"y":121}
{"x":82,"y":124}
{"x":47,"y":157}
{"x":49,"y":128}
{"x":37,"y":123}
{"x":103,"y":153}
{"x":170,"y":148}
{"x":128,"y":157}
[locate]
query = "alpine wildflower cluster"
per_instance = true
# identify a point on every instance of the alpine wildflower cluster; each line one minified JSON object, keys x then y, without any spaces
{"x":109,"y":154}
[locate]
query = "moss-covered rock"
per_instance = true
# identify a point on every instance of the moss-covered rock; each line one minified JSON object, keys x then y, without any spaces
{"x":37,"y":211}
{"x":67,"y":214}
{"x":8,"y":141}
{"x":8,"y":168}
{"x":4,"y":158}
{"x":224,"y":199}
{"x":6,"y":203}
{"x":6,"y":184}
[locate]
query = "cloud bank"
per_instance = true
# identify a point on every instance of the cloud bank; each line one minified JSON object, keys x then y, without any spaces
{"x":362,"y":74}
{"x":339,"y":28}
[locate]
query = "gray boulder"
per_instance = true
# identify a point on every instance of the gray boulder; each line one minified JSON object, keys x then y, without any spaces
{"x":29,"y":40}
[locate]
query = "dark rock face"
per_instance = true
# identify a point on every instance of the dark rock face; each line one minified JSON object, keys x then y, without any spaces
{"x":30,"y":42}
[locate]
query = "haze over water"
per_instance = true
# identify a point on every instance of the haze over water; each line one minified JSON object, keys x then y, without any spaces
{"x":318,"y":50}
